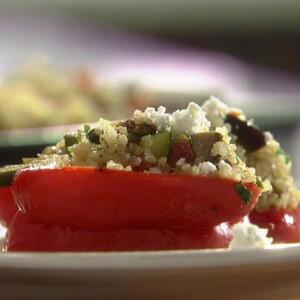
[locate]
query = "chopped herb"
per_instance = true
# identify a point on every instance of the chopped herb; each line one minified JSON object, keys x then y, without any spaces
{"x":244,"y":193}
{"x":86,"y":128}
{"x":259,"y":183}
{"x":93,"y":136}
{"x":287,"y":158}
{"x":70,"y":140}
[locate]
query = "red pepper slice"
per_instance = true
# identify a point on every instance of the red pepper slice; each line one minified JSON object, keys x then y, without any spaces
{"x":283,"y":225}
{"x":8,"y":207}
{"x":93,"y":199}
{"x":24,"y":236}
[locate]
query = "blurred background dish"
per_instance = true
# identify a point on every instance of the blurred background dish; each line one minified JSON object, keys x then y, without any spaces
{"x":104,"y":58}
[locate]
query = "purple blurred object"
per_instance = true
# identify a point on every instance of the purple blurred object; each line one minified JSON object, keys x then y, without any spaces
{"x":164,"y":67}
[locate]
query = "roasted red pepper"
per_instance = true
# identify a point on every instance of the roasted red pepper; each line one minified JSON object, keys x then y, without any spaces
{"x":92,"y":199}
{"x":8,"y":207}
{"x":283,"y":225}
{"x":24,"y":236}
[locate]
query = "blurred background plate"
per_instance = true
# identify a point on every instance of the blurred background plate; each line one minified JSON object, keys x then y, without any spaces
{"x":170,"y":54}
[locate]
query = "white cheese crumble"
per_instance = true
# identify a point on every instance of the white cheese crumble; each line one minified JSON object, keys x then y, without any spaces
{"x":180,"y":162}
{"x":207,"y":168}
{"x":215,"y":111}
{"x":116,"y":166}
{"x":159,"y":118}
{"x":191,"y":120}
{"x":247,"y":235}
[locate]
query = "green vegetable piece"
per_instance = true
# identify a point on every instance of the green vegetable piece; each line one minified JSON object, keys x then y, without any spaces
{"x":7,"y":174}
{"x":160,"y":144}
{"x":202,"y":144}
{"x":259,"y":183}
{"x":244,"y":193}
{"x":70,"y":140}
{"x":287,"y":158}
{"x":93,"y":136}
{"x":86,"y":128}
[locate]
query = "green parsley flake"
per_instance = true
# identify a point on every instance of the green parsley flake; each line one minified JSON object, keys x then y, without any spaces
{"x":244,"y":193}
{"x":259,"y":183}
{"x":287,"y":158}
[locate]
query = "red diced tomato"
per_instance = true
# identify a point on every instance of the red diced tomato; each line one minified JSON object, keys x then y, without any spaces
{"x":181,"y":149}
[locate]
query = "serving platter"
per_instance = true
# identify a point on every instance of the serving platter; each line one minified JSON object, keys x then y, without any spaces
{"x":271,"y":273}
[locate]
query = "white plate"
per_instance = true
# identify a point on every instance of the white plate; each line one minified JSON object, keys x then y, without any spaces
{"x":240,"y":274}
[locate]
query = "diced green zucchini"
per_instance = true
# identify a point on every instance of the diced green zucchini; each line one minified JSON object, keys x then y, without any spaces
{"x":86,"y":128}
{"x":203,"y":142}
{"x":160,"y":144}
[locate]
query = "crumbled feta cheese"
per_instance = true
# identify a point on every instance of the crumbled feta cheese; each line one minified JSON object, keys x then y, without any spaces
{"x":114,"y":166}
{"x":226,"y":170}
{"x":159,"y":118}
{"x":180,"y":162}
{"x":191,"y":120}
{"x":247,"y":235}
{"x":207,"y":168}
{"x":215,"y":111}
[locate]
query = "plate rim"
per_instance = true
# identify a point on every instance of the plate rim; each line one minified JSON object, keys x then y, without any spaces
{"x":147,"y":260}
